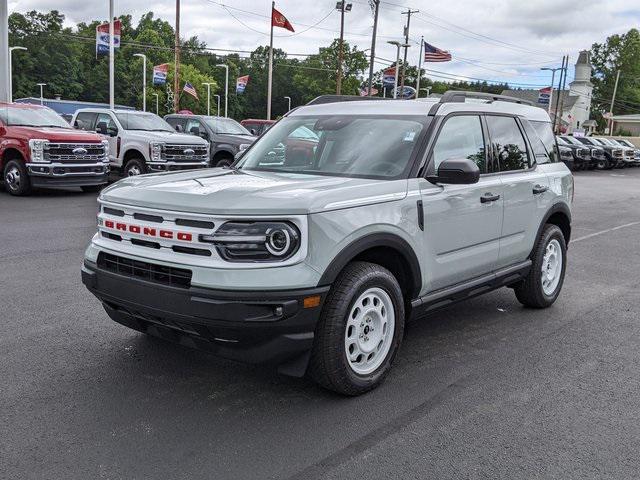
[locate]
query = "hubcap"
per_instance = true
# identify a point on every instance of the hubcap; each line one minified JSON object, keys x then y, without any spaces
{"x":12,"y":178}
{"x":133,"y":171}
{"x":369,"y":331}
{"x":551,"y":267}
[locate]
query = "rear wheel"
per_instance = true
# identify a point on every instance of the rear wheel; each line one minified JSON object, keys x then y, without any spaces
{"x":360,"y":330}
{"x":134,"y":167}
{"x":16,"y":178}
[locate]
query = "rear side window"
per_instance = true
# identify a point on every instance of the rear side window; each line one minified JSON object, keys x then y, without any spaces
{"x":508,"y":143}
{"x":542,"y":141}
{"x":85,"y":120}
{"x":461,"y":137}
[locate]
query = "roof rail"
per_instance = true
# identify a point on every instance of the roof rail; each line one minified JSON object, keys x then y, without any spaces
{"x":340,"y":98}
{"x":453,"y":96}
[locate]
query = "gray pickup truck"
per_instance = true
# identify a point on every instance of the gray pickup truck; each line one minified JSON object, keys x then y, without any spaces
{"x":313,"y":260}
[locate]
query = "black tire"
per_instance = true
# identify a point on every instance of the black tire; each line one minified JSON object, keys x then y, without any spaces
{"x":328,"y":365}
{"x":222,"y":161}
{"x":16,"y":178}
{"x":530,"y":291}
{"x":134,"y":167}
{"x":602,"y":164}
{"x":91,"y":188}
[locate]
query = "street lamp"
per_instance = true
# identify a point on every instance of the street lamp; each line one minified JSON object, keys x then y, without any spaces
{"x":218,"y":110}
{"x":144,"y":79}
{"x":157,"y":102}
{"x":11,"y":49}
{"x":41,"y":85}
{"x":398,"y":47}
{"x":553,"y":77}
{"x":289,"y":99}
{"x":226,"y":87}
{"x":208,"y":97}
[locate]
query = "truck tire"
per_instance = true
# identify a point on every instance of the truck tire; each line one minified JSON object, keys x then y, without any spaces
{"x":16,"y":178}
{"x":360,"y":330}
{"x":134,"y":167}
{"x":222,"y":160}
{"x":544,"y":281}
{"x":602,"y":164}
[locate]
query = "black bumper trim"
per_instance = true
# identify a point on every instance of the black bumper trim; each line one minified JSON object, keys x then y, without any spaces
{"x":69,"y":181}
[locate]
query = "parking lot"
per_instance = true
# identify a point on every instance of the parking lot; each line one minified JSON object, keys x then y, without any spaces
{"x":485,"y":389}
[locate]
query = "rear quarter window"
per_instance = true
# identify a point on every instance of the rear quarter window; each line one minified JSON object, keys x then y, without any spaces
{"x":542,"y":140}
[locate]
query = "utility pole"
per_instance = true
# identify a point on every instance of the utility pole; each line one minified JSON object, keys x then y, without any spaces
{"x":375,"y":4}
{"x":343,"y":7}
{"x":406,"y":42}
{"x":419,"y":68}
{"x":613,"y":99}
{"x":564,"y":84}
{"x":176,"y":73}
{"x":555,"y":116}
{"x":5,"y":75}
{"x":112,"y":55}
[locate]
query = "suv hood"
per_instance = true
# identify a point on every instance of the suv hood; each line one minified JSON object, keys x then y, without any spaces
{"x":54,"y":134}
{"x":219,"y":191}
{"x":168,"y":137}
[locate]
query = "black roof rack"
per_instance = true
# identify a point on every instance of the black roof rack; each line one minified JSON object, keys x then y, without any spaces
{"x":460,"y":96}
{"x":341,"y":98}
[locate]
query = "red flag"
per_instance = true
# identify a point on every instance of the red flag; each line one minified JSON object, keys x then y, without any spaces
{"x":279,"y":20}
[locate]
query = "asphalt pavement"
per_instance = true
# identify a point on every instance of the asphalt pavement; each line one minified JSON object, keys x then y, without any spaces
{"x":485,"y":389}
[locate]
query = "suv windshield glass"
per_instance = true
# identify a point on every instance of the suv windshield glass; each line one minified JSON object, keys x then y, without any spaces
{"x":226,"y":126}
{"x":32,"y":117}
{"x":344,"y":145}
{"x":143,"y":121}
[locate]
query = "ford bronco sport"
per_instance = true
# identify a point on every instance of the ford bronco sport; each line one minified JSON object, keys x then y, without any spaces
{"x":315,"y":260}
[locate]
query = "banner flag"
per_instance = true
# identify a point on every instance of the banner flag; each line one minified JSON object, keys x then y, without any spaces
{"x":389,"y":77}
{"x":241,"y":84}
{"x":102,"y":37}
{"x":160,"y":74}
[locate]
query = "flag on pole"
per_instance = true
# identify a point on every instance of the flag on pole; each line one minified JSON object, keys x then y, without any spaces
{"x":279,"y":20}
{"x":241,"y":84}
{"x":389,"y":77}
{"x":160,"y":74}
{"x":434,"y":54}
{"x":102,"y":37}
{"x":188,"y":88}
{"x":544,"y":95}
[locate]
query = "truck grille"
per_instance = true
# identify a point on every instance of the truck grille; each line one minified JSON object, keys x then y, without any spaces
{"x":75,"y":152}
{"x":174,"y":277}
{"x":185,"y":153}
{"x":583,"y":153}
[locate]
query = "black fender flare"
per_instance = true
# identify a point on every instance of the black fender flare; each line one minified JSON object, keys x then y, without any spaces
{"x":373,"y":240}
{"x":558,"y":207}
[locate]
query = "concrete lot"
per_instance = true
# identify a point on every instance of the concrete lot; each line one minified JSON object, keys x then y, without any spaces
{"x":485,"y":389}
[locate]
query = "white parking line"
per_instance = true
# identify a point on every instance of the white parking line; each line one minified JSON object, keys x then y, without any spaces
{"x":605,"y":231}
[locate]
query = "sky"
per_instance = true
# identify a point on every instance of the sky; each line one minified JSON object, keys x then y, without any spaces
{"x":501,"y":40}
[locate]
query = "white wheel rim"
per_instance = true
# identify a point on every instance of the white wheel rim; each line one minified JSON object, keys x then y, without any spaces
{"x":13,"y":178}
{"x":551,"y":267}
{"x":369,"y":331}
{"x":133,"y":171}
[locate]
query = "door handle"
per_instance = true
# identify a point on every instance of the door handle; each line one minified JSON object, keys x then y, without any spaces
{"x":538,"y":189}
{"x":489,"y":197}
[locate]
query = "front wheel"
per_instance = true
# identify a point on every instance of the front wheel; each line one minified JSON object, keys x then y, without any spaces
{"x":135,"y":167}
{"x":360,"y":330}
{"x":16,"y":178}
{"x":223,"y":162}
{"x":542,"y":285}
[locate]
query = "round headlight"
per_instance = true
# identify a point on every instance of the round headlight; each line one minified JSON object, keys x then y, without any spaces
{"x":278,"y":241}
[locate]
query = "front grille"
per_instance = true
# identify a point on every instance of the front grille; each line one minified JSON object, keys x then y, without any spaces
{"x":174,"y":277}
{"x":182,"y":153}
{"x":583,"y":152}
{"x":64,"y":152}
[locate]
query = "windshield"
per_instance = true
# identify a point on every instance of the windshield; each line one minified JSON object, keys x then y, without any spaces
{"x":571,"y":140}
{"x":226,"y":126}
{"x":562,"y":141}
{"x":32,"y":117}
{"x":625,"y":143}
{"x":603,"y":141}
{"x":143,"y":121}
{"x":345,"y":145}
{"x":587,"y":141}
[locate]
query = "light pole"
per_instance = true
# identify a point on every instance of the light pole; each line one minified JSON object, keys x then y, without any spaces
{"x":41,"y":85}
{"x":289,"y":99}
{"x":157,"y":102}
{"x":553,"y":78}
{"x":144,"y":79}
{"x":4,"y":51}
{"x":398,"y":47}
{"x":343,"y":7}
{"x":226,"y":86}
{"x":218,"y":109}
{"x":208,"y":98}
{"x":11,"y":49}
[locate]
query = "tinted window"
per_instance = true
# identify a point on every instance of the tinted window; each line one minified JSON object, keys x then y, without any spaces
{"x":542,"y":140}
{"x":84,"y":120}
{"x":173,"y":121}
{"x":461,"y":137}
{"x":108,"y":119}
{"x":147,"y":122}
{"x":508,"y":143}
{"x":192,"y":123}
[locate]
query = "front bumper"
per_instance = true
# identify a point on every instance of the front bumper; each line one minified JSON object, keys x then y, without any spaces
{"x":68,"y":174}
{"x":248,"y":326}
{"x":174,"y":166}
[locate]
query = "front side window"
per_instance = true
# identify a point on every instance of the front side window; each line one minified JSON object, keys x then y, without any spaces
{"x":508,"y":143}
{"x":84,"y":120}
{"x":147,"y":122}
{"x":343,"y":145}
{"x":194,"y":124}
{"x":543,"y":141}
{"x":31,"y":117}
{"x":461,"y":137}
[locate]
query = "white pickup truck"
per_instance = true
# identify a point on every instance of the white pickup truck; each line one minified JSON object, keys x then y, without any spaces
{"x":142,"y":142}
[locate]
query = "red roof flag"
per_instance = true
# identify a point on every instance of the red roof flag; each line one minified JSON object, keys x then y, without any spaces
{"x":279,"y":20}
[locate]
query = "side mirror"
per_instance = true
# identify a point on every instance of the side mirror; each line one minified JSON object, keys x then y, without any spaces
{"x":253,"y":131}
{"x":178,"y":128}
{"x":112,"y":131}
{"x":456,"y":171}
{"x":195,"y":130}
{"x":101,"y":128}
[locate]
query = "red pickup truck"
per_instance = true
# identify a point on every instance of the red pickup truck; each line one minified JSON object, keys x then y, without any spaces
{"x":38,"y":148}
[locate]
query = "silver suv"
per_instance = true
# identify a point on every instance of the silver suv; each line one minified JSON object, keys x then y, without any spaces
{"x":373,"y":213}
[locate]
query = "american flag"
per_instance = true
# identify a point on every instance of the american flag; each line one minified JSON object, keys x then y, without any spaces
{"x":188,"y":88}
{"x":434,"y":54}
